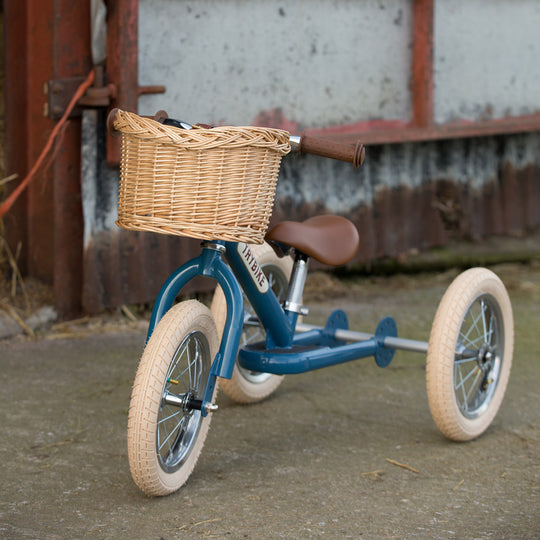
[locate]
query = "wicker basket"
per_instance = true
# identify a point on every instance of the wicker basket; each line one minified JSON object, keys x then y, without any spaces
{"x":213,"y":184}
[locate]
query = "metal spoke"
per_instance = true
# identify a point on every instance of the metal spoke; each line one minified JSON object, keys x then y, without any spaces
{"x":478,"y":341}
{"x":474,"y":326}
{"x":197,"y":374}
{"x":253,"y":337}
{"x":177,"y":428}
{"x":279,"y":291}
{"x":458,"y":375}
{"x":179,"y":355}
{"x":474,"y":386}
{"x":464,"y":405}
{"x":189,"y":366}
{"x":467,"y":377}
{"x":483,"y":308}
{"x":472,"y":344}
{"x":462,"y":361}
{"x":172,"y":415}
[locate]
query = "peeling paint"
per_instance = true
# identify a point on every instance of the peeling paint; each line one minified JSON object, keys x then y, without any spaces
{"x":414,"y":196}
{"x":405,"y":197}
{"x":125,"y":267}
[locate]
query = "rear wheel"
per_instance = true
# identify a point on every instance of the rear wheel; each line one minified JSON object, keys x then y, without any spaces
{"x":470,"y":354}
{"x":251,"y":386}
{"x":166,"y":431}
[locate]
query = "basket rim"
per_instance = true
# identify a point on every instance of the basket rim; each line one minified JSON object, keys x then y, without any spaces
{"x":147,"y":129}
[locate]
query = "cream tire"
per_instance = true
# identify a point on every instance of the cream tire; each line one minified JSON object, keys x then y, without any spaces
{"x":165,"y":440}
{"x":247,"y":386}
{"x":470,"y":354}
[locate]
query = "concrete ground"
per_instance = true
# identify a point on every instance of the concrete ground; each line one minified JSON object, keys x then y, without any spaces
{"x":346,"y":452}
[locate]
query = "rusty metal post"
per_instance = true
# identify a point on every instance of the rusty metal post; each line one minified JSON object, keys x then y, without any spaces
{"x":122,"y":74}
{"x":72,"y":57}
{"x":46,"y":40}
{"x":16,"y":126}
{"x":422,"y":68}
{"x":122,"y":62}
{"x":29,"y":64}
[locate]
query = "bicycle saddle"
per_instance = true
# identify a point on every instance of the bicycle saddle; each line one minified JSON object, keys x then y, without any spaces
{"x":328,"y":239}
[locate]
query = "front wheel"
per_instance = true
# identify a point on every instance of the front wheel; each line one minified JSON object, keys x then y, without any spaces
{"x":470,"y":354}
{"x":166,"y":432}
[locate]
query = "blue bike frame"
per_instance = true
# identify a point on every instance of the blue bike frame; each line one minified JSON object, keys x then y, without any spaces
{"x":284,"y":351}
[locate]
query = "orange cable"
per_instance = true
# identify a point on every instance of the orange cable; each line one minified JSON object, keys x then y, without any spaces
{"x":8,"y":203}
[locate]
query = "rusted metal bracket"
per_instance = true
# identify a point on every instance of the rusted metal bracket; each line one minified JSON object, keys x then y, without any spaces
{"x":60,"y":91}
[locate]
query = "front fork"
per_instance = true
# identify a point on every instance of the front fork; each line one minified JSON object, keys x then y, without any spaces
{"x":210,"y":264}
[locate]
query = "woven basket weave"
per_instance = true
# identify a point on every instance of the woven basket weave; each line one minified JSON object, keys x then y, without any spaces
{"x":213,"y":184}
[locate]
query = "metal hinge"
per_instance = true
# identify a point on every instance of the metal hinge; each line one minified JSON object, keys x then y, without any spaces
{"x":60,"y":91}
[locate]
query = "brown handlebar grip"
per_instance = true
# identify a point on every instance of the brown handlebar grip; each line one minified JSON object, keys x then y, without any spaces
{"x":110,"y":123}
{"x":158,"y":117}
{"x":351,"y":152}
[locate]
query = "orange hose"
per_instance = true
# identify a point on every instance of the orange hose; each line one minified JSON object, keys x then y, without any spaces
{"x":8,"y":203}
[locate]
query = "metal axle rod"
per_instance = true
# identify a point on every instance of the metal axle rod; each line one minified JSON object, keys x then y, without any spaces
{"x":187,"y":402}
{"x":388,"y":342}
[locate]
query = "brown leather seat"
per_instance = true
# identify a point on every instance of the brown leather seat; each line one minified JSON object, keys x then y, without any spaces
{"x":331,"y":240}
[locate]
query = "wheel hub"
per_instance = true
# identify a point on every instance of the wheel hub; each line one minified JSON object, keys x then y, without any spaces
{"x":485,"y":358}
{"x":187,"y":402}
{"x":485,"y":363}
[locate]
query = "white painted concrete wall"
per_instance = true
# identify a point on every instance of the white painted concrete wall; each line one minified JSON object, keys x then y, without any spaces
{"x":331,"y":62}
{"x":322,"y":62}
{"x":487,"y":58}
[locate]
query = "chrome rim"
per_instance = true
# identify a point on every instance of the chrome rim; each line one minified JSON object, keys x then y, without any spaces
{"x":477,"y":367}
{"x":178,"y":424}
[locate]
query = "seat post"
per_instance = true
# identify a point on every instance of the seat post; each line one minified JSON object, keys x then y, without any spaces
{"x":293,"y":301}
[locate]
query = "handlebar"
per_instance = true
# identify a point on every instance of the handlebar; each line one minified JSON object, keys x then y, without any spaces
{"x":310,"y":144}
{"x":306,"y":144}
